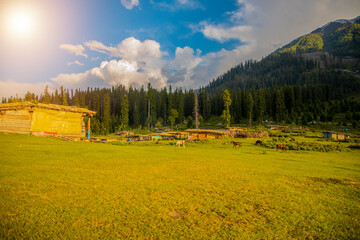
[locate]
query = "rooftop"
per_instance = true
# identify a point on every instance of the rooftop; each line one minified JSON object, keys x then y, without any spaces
{"x":30,"y":105}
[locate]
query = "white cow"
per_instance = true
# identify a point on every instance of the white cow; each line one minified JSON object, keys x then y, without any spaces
{"x":180,"y":143}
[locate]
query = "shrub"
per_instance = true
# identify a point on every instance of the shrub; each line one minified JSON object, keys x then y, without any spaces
{"x":305,"y":146}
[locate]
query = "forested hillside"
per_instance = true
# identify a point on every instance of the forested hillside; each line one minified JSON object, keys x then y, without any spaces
{"x":287,"y":88}
{"x":339,"y":38}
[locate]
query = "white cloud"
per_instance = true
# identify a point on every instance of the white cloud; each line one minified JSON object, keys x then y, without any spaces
{"x":78,"y":80}
{"x":11,"y":88}
{"x":180,"y":71}
{"x":223,"y":34}
{"x":78,"y":50}
{"x":110,"y":73}
{"x":99,"y":47}
{"x":278,"y":22}
{"x":139,"y":63}
{"x":76,"y":62}
{"x":147,"y":56}
{"x":177,"y":5}
{"x":130,"y":48}
{"x":244,"y":8}
{"x":122,"y":72}
{"x":129,"y":4}
{"x":186,"y":58}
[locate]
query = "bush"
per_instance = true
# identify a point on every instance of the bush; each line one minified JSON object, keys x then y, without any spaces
{"x":305,"y":146}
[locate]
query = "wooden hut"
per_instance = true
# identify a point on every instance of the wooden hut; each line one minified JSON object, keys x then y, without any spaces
{"x":335,"y":135}
{"x":277,"y":127}
{"x":178,"y":135}
{"x":246,"y":133}
{"x":205,"y":133}
{"x":40,"y":119}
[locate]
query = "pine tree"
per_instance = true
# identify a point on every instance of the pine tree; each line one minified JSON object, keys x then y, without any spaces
{"x":179,"y":99}
{"x":243,"y":103}
{"x":142,"y":107}
{"x":56,"y":97}
{"x":105,"y":123}
{"x":76,"y":98}
{"x":226,"y":112}
{"x":63,"y":96}
{"x":280,"y":109}
{"x":46,"y":95}
{"x":196,"y":111}
{"x":249,"y":105}
{"x":124,"y":114}
{"x":136,"y":112}
{"x":170,"y":101}
{"x":207,"y":107}
{"x":82,"y":99}
{"x":163,"y":104}
{"x":28,"y":96}
{"x":151,"y":106}
{"x":237,"y":106}
{"x":260,"y":105}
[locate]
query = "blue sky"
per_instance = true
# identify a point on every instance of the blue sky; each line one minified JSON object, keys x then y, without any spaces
{"x":183,"y":43}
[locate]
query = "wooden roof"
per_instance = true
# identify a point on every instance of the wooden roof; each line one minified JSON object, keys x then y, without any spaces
{"x":349,"y":134}
{"x":30,"y":105}
{"x":219,"y":132}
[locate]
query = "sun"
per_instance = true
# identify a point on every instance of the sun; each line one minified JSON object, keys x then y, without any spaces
{"x":20,"y":23}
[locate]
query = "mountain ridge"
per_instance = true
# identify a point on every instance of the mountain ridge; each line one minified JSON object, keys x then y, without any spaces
{"x":338,"y":38}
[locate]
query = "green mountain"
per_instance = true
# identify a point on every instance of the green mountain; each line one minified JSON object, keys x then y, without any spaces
{"x":301,"y":62}
{"x":311,"y":79}
{"x":338,"y":38}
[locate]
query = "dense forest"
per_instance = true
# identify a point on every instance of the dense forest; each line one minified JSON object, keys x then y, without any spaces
{"x":282,"y":88}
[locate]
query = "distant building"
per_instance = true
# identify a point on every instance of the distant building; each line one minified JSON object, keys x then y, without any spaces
{"x":335,"y":135}
{"x":42,"y":119}
{"x":277,"y":127}
{"x":245,"y":133}
{"x":205,"y":133}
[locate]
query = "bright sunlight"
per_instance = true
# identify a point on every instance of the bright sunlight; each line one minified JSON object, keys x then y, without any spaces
{"x":21,"y":23}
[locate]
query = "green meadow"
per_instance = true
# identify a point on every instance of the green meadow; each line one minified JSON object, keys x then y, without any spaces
{"x":52,"y":189}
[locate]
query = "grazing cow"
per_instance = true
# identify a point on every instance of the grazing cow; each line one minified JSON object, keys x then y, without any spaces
{"x":236,"y":144}
{"x":258,"y":142}
{"x":180,"y":143}
{"x":280,"y":146}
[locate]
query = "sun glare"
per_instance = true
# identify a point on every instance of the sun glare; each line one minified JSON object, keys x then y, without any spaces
{"x":21,"y":23}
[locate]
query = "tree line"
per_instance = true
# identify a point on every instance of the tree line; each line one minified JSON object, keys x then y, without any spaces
{"x":286,"y":88}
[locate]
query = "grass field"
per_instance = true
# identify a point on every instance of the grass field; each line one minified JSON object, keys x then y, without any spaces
{"x":50,"y":189}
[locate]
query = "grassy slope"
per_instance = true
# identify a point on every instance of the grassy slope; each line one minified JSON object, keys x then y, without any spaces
{"x":54,"y":189}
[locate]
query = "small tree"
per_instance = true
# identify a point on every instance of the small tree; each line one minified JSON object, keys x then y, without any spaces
{"x":171,"y":120}
{"x":226,"y":113}
{"x":190,"y":122}
{"x":158,"y":125}
{"x":201,"y":121}
{"x":173,"y":116}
